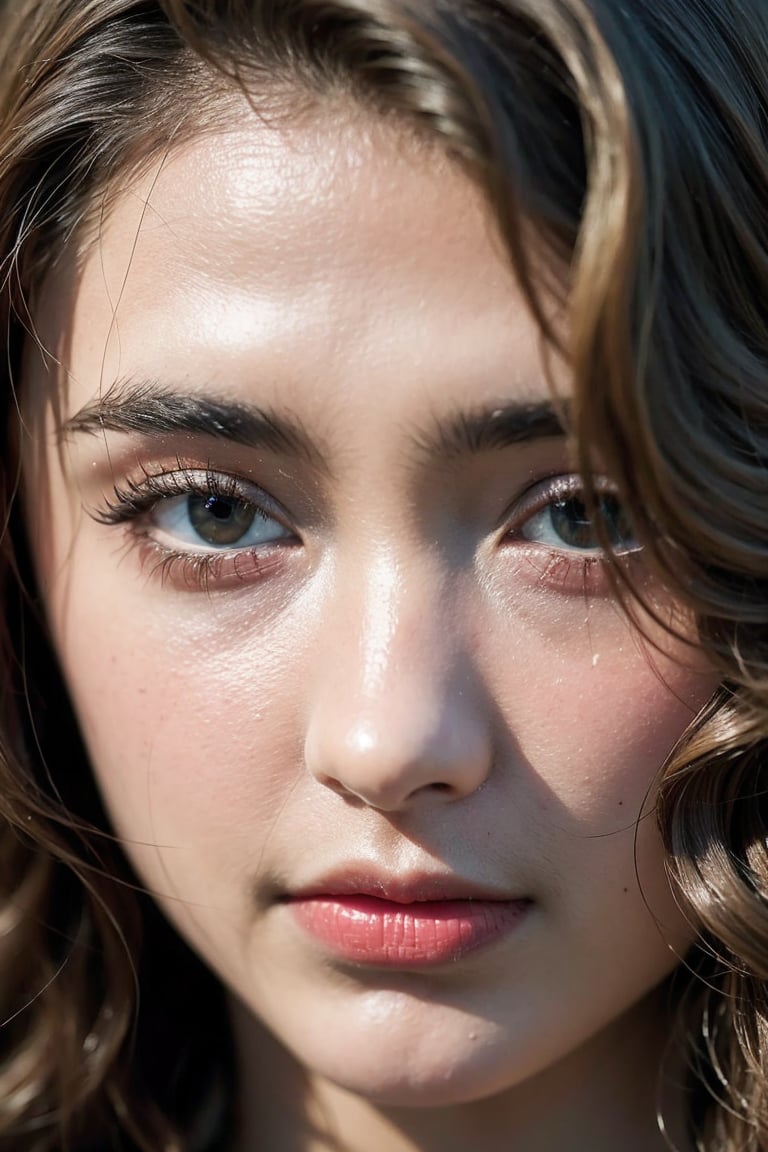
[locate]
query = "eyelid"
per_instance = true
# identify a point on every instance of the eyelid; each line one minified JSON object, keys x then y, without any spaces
{"x":557,"y":486}
{"x":136,"y":498}
{"x":546,"y":494}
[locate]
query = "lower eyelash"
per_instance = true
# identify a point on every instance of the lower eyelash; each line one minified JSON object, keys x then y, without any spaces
{"x":571,"y":574}
{"x":200,"y":571}
{"x":584,"y":575}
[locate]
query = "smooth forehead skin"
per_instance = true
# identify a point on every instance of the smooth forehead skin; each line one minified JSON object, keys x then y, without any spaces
{"x":408,"y":687}
{"x":309,"y":267}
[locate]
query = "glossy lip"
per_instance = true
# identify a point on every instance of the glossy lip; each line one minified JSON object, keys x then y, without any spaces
{"x":406,"y":922}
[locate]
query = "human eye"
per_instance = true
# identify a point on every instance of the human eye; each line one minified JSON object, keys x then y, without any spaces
{"x":201,"y":528}
{"x":562,"y":536}
{"x":557,"y":517}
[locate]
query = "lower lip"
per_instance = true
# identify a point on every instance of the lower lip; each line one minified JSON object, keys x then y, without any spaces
{"x":382,"y":933}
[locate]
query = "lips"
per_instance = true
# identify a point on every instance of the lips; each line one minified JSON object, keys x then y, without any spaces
{"x":403,"y":923}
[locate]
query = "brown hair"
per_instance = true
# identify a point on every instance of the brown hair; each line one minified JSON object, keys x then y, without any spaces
{"x":631,"y":140}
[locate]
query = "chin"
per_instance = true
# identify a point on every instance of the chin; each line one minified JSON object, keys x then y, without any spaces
{"x":454,"y":1086}
{"x":433,"y":1069}
{"x":436,"y":1087}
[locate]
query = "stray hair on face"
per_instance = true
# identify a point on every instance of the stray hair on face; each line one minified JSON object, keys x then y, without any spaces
{"x":622,"y":150}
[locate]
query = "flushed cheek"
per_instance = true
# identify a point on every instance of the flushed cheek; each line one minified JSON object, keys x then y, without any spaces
{"x":592,"y":737}
{"x":606,"y":738}
{"x":636,"y":714}
{"x":593,"y":710}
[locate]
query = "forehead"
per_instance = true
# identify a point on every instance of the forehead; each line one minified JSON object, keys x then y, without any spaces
{"x":339,"y":249}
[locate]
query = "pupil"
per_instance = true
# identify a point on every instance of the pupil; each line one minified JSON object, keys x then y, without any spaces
{"x":573,"y":525}
{"x":221,"y":509}
{"x":220,"y":520}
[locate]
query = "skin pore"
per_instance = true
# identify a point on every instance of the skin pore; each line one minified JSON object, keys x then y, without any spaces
{"x":398,"y":670}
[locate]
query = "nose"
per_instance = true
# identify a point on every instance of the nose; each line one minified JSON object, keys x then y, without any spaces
{"x":397,"y":714}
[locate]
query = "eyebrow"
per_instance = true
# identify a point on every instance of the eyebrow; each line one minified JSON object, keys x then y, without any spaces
{"x":147,"y":408}
{"x":499,"y":426}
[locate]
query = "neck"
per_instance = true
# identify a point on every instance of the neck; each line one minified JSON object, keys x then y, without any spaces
{"x":604,"y":1096}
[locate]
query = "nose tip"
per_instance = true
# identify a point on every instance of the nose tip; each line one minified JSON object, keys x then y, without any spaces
{"x":407,"y":751}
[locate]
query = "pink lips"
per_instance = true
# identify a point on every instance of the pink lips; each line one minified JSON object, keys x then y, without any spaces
{"x":401,"y":933}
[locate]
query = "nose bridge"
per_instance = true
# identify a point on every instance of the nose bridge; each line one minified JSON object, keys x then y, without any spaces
{"x":394,"y":716}
{"x":374,"y":638}
{"x":384,"y":611}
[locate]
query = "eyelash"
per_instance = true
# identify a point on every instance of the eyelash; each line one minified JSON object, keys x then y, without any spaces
{"x":136,"y":499}
{"x":203,"y":570}
{"x":564,"y":570}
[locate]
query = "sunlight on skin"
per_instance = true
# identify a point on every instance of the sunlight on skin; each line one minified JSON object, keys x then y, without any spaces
{"x":395,"y":681}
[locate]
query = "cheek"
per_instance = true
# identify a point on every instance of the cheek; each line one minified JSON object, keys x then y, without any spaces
{"x":607,"y":732}
{"x":593,"y":708}
{"x":591,"y":724}
{"x":618,"y":725}
{"x":193,"y":733}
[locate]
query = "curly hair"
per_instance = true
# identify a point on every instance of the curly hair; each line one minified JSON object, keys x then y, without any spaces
{"x":629,"y":145}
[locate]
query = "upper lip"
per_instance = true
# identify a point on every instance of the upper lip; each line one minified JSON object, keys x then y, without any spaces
{"x":407,"y":888}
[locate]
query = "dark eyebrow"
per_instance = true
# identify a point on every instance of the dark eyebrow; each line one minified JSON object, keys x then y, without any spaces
{"x":152,"y":410}
{"x":145,"y":407}
{"x":488,"y":429}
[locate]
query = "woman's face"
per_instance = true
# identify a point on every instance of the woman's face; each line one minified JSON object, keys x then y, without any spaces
{"x":360,"y":702}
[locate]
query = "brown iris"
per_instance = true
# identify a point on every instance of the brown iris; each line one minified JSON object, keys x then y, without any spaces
{"x":220,"y":520}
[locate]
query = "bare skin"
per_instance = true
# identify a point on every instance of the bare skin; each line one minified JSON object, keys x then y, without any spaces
{"x":407,"y":666}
